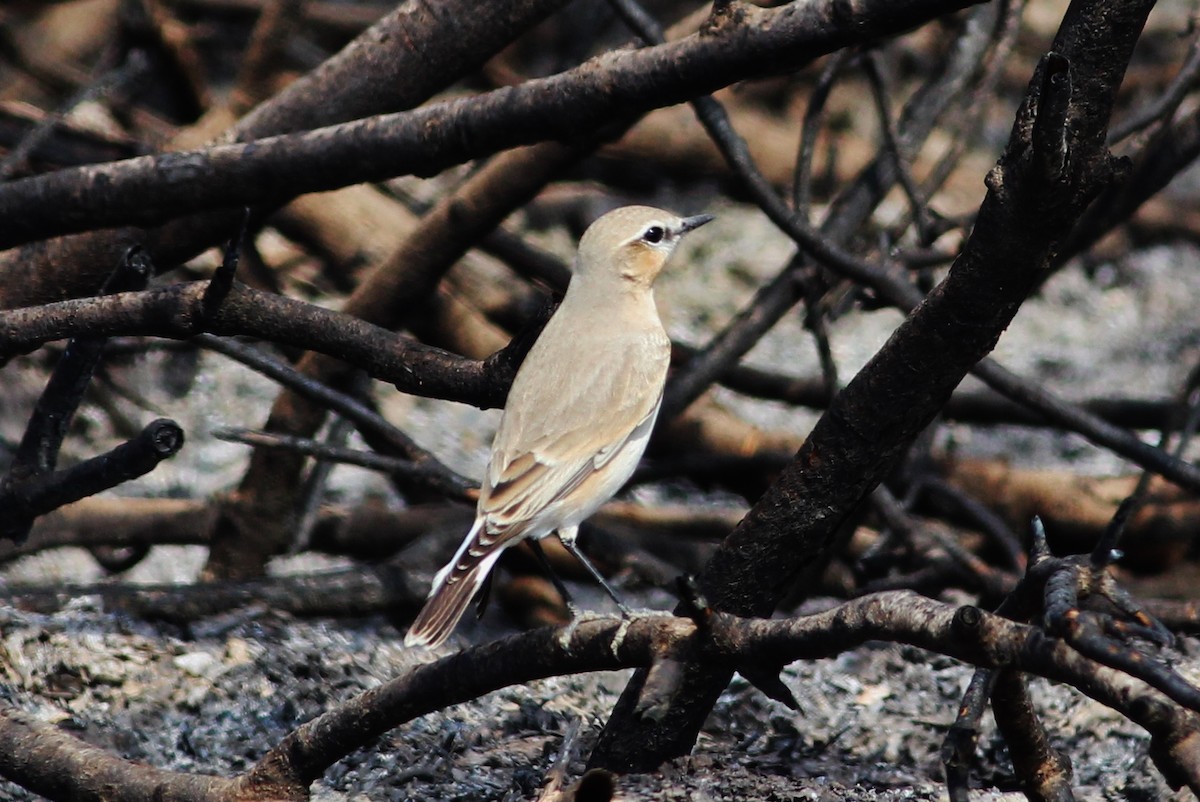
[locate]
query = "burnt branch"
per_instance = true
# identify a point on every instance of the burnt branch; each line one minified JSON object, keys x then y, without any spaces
{"x":965,"y":633}
{"x":24,"y":500}
{"x":401,"y":61}
{"x":55,"y":764}
{"x":179,"y":311}
{"x":742,"y":43}
{"x":1044,"y":771}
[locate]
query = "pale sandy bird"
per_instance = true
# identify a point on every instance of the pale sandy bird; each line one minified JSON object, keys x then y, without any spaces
{"x":580,"y":410}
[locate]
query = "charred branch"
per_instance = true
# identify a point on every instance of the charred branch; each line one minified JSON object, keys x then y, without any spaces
{"x":179,"y":312}
{"x":153,"y":189}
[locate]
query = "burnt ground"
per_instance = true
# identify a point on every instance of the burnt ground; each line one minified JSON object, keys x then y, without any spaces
{"x":212,"y":699}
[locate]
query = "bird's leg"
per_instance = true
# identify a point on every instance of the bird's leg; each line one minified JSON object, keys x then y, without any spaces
{"x":538,"y":552}
{"x":567,"y":535}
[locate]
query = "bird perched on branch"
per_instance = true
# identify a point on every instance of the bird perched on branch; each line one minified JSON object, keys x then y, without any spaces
{"x":579,"y":413}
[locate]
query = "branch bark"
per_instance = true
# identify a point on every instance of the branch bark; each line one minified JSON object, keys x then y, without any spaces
{"x":180,"y":311}
{"x":398,"y":63}
{"x":54,"y":764}
{"x":738,"y":43}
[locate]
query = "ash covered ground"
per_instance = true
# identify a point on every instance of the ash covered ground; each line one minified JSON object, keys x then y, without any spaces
{"x":215,"y":696}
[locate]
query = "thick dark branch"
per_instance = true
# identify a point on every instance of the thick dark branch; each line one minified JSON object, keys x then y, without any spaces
{"x":892,"y":399}
{"x":54,"y":764}
{"x":964,"y":633}
{"x":414,"y":51}
{"x":1045,"y":772}
{"x":397,"y":63}
{"x":178,"y":312}
{"x":24,"y":500}
{"x":740,"y":43}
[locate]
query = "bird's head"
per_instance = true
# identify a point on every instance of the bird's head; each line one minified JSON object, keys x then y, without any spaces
{"x":633,"y":243}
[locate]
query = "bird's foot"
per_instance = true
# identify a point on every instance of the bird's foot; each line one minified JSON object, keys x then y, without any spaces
{"x":578,"y":617}
{"x":629,"y":616}
{"x":644,"y":612}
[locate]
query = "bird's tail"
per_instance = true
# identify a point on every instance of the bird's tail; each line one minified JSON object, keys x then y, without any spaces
{"x":453,"y":588}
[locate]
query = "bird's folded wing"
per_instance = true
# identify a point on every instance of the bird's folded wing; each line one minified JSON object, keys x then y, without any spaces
{"x":556,"y":434}
{"x":517,"y":490}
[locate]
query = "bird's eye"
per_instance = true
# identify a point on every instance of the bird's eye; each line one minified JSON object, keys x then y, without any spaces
{"x":654,"y":234}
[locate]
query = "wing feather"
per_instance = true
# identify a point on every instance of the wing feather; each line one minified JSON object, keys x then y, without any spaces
{"x":561,"y":426}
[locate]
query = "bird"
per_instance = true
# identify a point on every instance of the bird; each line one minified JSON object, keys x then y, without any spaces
{"x":579,"y":413}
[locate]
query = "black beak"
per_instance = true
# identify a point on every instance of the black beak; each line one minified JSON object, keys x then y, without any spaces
{"x":689,"y":223}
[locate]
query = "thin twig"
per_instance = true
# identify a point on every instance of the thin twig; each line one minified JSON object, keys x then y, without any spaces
{"x":366,"y":419}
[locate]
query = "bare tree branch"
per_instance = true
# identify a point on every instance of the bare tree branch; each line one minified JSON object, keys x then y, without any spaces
{"x":398,"y":63}
{"x":966,"y":633}
{"x":178,"y":311}
{"x":740,"y":43}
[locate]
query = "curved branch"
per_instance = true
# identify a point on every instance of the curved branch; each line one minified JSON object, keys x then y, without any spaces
{"x":966,"y":633}
{"x":41,"y":757}
{"x":178,"y":311}
{"x":55,"y":764}
{"x":414,"y":51}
